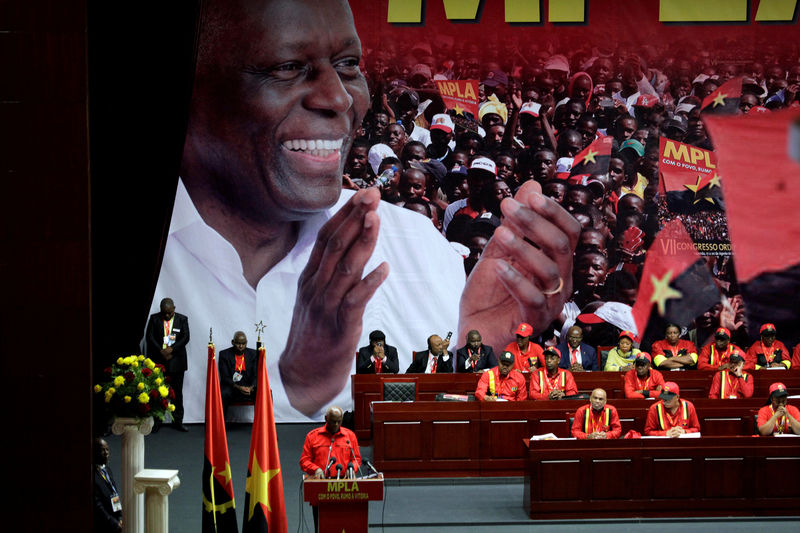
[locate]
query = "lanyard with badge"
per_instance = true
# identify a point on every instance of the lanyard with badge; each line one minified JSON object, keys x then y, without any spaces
{"x":239,"y":368}
{"x":116,"y":504}
{"x":169,"y":333}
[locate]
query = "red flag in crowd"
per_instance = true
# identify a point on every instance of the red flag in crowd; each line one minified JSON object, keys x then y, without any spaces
{"x":264,"y":504}
{"x":219,"y":514}
{"x":725,"y":100}
{"x":676,"y":285}
{"x":761,"y":189}
{"x":593,"y":159}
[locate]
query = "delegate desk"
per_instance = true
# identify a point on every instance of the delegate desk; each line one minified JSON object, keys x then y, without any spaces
{"x":457,"y":439}
{"x":366,"y":388}
{"x":709,"y":476}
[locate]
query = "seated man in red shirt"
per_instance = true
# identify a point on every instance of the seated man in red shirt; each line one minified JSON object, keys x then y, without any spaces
{"x":671,"y":416}
{"x":732,"y":383}
{"x":596,"y":420}
{"x":673,"y":352}
{"x":777,"y":417}
{"x":502,"y":382}
{"x":331,"y":441}
{"x":641,"y":381}
{"x":527,"y":355}
{"x":551,"y":382}
{"x":768,"y":352}
{"x":714,"y":356}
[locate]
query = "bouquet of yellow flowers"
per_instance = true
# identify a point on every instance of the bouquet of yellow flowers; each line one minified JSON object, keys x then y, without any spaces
{"x":136,"y":387}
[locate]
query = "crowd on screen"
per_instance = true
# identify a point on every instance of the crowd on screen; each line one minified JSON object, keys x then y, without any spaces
{"x":539,"y":107}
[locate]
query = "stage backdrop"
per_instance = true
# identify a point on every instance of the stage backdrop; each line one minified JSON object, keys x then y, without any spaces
{"x":683,"y":39}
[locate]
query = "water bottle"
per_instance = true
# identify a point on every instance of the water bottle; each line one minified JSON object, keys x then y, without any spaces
{"x":386,"y":176}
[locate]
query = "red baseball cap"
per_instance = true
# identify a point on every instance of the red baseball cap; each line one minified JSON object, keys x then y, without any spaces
{"x":524,"y":329}
{"x":628,"y":334}
{"x":552,"y":350}
{"x":644,"y":356}
{"x":767,"y":328}
{"x":670,"y":390}
{"x":722,"y":331}
{"x":778,"y":389}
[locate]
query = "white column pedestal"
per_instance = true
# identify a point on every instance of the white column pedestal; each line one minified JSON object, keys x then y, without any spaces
{"x":133,"y":431}
{"x":156,"y":485}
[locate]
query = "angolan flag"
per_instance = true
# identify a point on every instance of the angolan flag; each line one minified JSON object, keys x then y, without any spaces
{"x":219,"y":514}
{"x":264,"y":508}
{"x":676,"y":286}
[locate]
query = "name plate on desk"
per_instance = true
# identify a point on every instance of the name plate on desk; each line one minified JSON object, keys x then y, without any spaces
{"x":342,"y":491}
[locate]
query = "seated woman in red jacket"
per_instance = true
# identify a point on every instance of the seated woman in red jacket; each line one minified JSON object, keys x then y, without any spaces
{"x":674,"y":353}
{"x":777,"y":417}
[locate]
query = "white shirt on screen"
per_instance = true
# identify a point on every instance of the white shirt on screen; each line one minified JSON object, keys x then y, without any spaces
{"x":202,"y":273}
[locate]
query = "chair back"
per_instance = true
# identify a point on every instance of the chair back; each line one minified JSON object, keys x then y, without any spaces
{"x":399,"y":390}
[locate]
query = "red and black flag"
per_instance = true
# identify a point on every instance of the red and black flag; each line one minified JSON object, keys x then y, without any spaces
{"x":264,"y":508}
{"x":219,"y":514}
{"x":591,"y":160}
{"x":676,"y":286}
{"x":760,"y":156}
{"x":725,"y":100}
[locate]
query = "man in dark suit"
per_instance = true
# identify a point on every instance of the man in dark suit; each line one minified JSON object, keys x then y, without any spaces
{"x":576,"y":356}
{"x":475,"y":356}
{"x":107,"y":504}
{"x":378,"y":357}
{"x":435,"y":360}
{"x":238,"y":372}
{"x":166,"y":338}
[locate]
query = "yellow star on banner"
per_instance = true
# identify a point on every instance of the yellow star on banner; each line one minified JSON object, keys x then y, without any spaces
{"x":590,"y":157}
{"x":225,"y":473}
{"x":719,"y":99}
{"x":459,"y":110}
{"x":258,"y":486}
{"x":714,"y":181}
{"x":696,"y":188}
{"x":663,"y":292}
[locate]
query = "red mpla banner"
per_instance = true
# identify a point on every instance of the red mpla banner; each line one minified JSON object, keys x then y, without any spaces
{"x":686,"y":167}
{"x":460,"y":95}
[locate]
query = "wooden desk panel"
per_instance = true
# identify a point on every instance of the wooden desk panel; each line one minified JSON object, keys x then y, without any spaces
{"x":434,"y":439}
{"x":366,"y":388}
{"x":711,"y":476}
{"x":430,"y":439}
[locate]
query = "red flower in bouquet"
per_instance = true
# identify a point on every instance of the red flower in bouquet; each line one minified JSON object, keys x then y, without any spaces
{"x":146,"y":372}
{"x":129,"y":376}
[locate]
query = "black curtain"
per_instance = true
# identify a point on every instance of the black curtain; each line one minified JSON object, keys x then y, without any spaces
{"x":141,"y":65}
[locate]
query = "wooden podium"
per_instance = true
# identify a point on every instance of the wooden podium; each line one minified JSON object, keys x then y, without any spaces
{"x":343,"y":504}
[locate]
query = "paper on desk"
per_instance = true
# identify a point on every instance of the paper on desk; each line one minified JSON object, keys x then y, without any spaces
{"x":546,"y":436}
{"x":684,"y":436}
